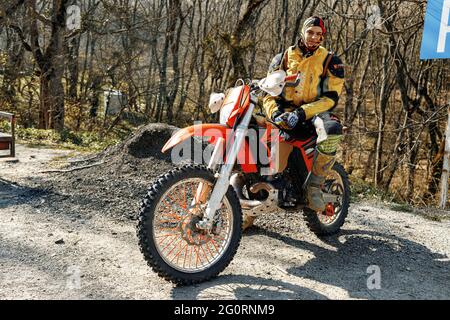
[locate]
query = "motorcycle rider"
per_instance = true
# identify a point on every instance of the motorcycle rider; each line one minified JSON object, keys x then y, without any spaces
{"x":296,"y":108}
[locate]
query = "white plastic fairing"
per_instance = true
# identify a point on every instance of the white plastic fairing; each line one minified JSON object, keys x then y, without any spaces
{"x":320,"y":129}
{"x":273,"y":84}
{"x":225,"y":113}
{"x":216,"y":101}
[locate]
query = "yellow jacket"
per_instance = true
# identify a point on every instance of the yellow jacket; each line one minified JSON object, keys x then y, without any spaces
{"x":308,"y":94}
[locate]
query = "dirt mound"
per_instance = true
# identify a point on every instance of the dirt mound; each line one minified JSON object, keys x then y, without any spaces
{"x":116,"y":179}
{"x":147,"y":142}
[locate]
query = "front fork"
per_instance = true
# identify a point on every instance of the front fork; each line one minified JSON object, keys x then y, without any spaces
{"x":223,"y":180}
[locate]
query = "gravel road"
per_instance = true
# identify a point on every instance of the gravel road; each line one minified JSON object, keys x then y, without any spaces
{"x":72,"y":236}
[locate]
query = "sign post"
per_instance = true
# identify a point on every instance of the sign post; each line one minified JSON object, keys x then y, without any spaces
{"x":436,"y":45}
{"x":445,"y":167}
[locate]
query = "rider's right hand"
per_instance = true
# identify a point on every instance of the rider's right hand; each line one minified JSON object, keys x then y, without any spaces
{"x":289,"y":120}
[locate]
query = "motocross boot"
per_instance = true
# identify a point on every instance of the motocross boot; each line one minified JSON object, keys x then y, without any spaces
{"x":321,"y":167}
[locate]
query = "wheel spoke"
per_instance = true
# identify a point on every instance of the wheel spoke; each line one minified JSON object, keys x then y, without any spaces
{"x":176,"y":202}
{"x":207,"y":246}
{"x":215,"y":245}
{"x":169,"y":244}
{"x":185,"y":196}
{"x":177,"y":255}
{"x":173,"y":206}
{"x":185,"y":256}
{"x":166,"y":235}
{"x":161,"y":242}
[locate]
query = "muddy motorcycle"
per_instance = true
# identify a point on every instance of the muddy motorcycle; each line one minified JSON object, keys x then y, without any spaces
{"x":191,"y":220}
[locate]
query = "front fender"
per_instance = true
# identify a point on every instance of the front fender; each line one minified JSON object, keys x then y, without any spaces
{"x":213,"y":130}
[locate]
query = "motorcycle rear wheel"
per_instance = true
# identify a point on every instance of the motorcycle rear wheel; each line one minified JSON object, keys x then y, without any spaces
{"x":330,"y":221}
{"x":168,"y":237}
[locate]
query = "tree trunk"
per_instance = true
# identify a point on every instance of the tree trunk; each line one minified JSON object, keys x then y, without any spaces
{"x":398,"y":151}
{"x":57,"y":99}
{"x":72,"y":66}
{"x":384,"y":98}
{"x":51,"y":65}
{"x":174,"y":31}
{"x":235,"y":45}
{"x":44,"y":103}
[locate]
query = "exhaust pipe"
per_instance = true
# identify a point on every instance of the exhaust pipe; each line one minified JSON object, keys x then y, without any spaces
{"x":255,"y":207}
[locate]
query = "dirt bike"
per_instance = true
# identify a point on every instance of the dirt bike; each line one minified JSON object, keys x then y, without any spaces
{"x":191,"y":220}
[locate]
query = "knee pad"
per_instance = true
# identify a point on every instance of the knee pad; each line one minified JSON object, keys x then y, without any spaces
{"x":329,"y":145}
{"x":333,"y":129}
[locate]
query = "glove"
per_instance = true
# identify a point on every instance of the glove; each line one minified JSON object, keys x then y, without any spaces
{"x":289,"y":120}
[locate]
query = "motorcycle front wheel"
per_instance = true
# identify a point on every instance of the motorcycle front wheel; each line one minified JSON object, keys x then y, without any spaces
{"x":169,"y":238}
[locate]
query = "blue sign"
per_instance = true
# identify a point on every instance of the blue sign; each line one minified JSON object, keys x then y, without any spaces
{"x":436,"y":32}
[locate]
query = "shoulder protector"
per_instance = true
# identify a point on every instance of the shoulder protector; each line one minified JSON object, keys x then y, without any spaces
{"x":275,"y":64}
{"x":336,"y":67}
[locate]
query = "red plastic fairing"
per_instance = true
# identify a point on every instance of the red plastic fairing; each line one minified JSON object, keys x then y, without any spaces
{"x":303,"y":146}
